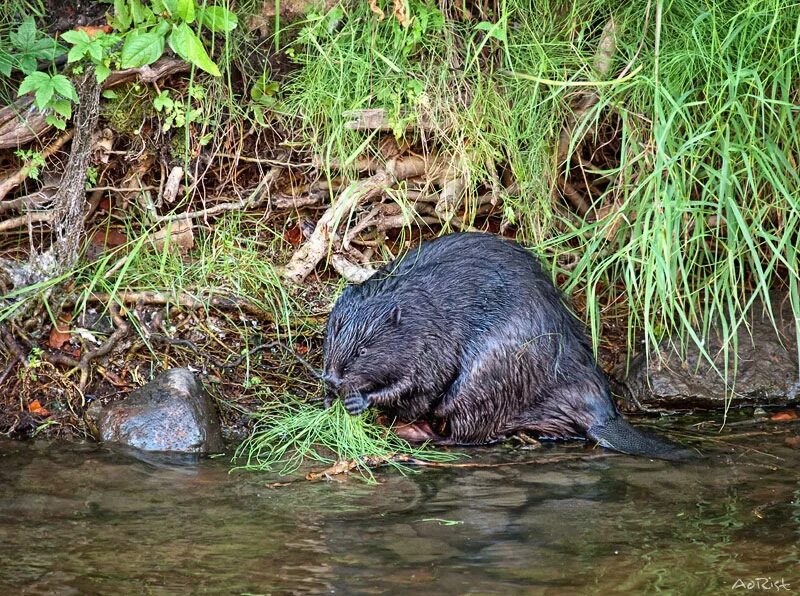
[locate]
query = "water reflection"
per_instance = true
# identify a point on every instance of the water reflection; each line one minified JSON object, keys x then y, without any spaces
{"x":87,"y":519}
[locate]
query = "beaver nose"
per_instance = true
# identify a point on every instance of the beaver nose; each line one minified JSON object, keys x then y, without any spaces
{"x":332,"y":379}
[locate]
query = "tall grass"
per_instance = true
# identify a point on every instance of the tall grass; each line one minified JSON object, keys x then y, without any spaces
{"x":704,"y":194}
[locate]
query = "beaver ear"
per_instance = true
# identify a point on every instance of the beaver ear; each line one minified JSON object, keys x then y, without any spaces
{"x":394,"y":314}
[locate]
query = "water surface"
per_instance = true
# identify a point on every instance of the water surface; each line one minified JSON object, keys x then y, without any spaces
{"x":87,"y":519}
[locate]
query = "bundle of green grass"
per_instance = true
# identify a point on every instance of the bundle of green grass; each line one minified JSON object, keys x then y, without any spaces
{"x":290,"y":433}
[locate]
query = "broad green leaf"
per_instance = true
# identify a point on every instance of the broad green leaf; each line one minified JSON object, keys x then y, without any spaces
{"x":47,"y":48}
{"x":218,"y":18}
{"x":76,"y":36}
{"x":162,"y":28}
{"x":141,"y":49}
{"x":32,"y":82}
{"x":188,"y":46}
{"x":171,"y":6}
{"x":96,"y":50}
{"x":109,"y":94}
{"x":62,"y":107}
{"x":158,"y":6}
{"x":77,"y":52}
{"x":25,"y":34}
{"x":122,"y":14}
{"x":54,"y":120}
{"x":186,"y":10}
{"x":44,"y":94}
{"x":63,"y":86}
{"x":101,"y":72}
{"x":140,"y":12}
{"x":27,"y":64}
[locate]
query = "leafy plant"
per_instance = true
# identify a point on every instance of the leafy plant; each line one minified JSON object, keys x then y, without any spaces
{"x":178,"y":113}
{"x":148,"y":28}
{"x":34,"y":160}
{"x":51,"y":92}
{"x":29,"y":46}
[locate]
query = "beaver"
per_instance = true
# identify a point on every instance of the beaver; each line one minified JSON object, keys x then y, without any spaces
{"x":467,"y":330}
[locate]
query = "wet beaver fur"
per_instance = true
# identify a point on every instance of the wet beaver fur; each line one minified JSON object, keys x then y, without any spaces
{"x":467,"y":330}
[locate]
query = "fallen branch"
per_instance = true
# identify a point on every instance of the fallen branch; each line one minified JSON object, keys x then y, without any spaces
{"x":27,"y":219}
{"x":314,"y":250}
{"x":147,"y":74}
{"x":183,"y":299}
{"x":255,"y":199}
{"x":378,"y":119}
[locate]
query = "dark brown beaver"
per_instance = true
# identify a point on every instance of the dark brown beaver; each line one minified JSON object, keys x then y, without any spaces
{"x":467,"y":329}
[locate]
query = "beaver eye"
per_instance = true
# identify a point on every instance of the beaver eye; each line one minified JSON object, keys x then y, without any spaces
{"x":362,"y":352}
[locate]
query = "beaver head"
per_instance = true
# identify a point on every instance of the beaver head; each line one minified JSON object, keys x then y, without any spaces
{"x":361,"y":342}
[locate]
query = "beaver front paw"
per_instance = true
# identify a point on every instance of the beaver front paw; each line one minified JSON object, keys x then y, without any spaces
{"x":356,"y":403}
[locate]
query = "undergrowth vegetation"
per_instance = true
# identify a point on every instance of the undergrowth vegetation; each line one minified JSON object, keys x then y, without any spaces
{"x":648,"y":151}
{"x":690,"y":213}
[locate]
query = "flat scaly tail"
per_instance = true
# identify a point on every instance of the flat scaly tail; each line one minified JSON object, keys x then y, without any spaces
{"x":618,"y":434}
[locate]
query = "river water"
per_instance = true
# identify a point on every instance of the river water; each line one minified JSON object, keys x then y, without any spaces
{"x":86,"y":519}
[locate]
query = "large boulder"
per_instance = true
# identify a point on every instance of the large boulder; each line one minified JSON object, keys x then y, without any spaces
{"x":171,"y":413}
{"x":766,"y":374}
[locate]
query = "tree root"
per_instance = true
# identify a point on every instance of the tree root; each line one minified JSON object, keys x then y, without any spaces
{"x":83,"y":365}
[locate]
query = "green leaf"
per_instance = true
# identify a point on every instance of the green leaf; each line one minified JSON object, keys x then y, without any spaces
{"x":76,"y":37}
{"x":95,"y":50}
{"x":141,"y":48}
{"x":171,"y":6}
{"x":25,"y":34}
{"x":188,"y":46}
{"x":63,"y":86}
{"x":122,"y":14}
{"x":109,"y":94}
{"x":6,"y":63}
{"x":46,"y":48}
{"x":162,"y":100}
{"x":218,"y":18}
{"x":162,"y":28}
{"x":158,"y":6}
{"x":32,"y":82}
{"x":185,"y":10}
{"x":44,"y":94}
{"x":54,"y":120}
{"x":27,"y":64}
{"x":101,"y":72}
{"x":62,"y":107}
{"x":140,"y":12}
{"x":77,"y":52}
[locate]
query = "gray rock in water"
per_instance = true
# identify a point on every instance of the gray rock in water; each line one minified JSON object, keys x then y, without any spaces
{"x":767,"y":370}
{"x":171,"y":413}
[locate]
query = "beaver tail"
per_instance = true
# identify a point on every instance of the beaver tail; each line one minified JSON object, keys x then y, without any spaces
{"x":618,"y":434}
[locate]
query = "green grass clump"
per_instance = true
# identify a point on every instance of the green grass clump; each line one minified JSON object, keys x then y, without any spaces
{"x":289,"y":433}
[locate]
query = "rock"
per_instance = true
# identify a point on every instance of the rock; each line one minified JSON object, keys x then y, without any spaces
{"x":767,"y":371}
{"x":171,"y":413}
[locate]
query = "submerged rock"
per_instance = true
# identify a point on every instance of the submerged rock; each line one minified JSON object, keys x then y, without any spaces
{"x":766,"y":374}
{"x":171,"y":413}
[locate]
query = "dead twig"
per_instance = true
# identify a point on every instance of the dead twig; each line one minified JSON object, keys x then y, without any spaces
{"x":183,"y":299}
{"x":255,"y":199}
